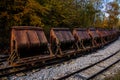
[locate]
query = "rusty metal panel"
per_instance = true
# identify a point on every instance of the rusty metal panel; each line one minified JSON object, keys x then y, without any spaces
{"x":82,"y":33}
{"x":70,"y":36}
{"x":29,"y":41}
{"x":94,"y":34}
{"x":41,"y":36}
{"x":21,"y":38}
{"x":114,"y":32}
{"x":109,"y":32}
{"x":33,"y":38}
{"x":100,"y":33}
{"x":29,"y":36}
{"x":86,"y":35}
{"x":104,"y":34}
{"x":63,"y":34}
{"x":59,"y":36}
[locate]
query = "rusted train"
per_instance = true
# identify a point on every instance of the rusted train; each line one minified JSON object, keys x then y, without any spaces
{"x":29,"y":45}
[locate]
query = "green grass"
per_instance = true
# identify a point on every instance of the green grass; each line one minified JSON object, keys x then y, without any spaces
{"x":115,"y":77}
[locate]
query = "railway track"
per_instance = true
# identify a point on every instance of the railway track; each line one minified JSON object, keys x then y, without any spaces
{"x":3,"y":58}
{"x":92,"y":70}
{"x":6,"y":70}
{"x":9,"y":70}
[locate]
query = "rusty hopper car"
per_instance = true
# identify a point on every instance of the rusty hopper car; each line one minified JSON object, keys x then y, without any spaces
{"x":108,"y":35}
{"x":83,"y":39}
{"x":102,"y":36}
{"x":28,"y":44}
{"x":109,"y":32}
{"x":96,"y":39}
{"x":62,"y":42}
{"x":113,"y":35}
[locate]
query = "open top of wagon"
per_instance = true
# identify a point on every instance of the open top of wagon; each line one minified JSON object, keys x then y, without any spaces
{"x":28,"y":41}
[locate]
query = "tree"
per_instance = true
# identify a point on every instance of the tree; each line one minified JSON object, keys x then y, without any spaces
{"x":112,"y":8}
{"x":118,"y":24}
{"x":17,"y":13}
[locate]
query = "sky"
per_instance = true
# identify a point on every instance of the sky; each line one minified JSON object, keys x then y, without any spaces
{"x":106,"y":1}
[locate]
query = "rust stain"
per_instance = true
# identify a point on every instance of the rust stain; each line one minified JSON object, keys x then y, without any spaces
{"x":82,"y":33}
{"x":41,"y":36}
{"x":21,"y":38}
{"x":63,"y":34}
{"x":29,"y":36}
{"x":94,"y":34}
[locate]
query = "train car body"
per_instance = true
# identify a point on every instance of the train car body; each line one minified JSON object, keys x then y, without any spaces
{"x":96,"y":38}
{"x":114,"y":35}
{"x":28,"y":42}
{"x":29,"y":45}
{"x":62,"y":41}
{"x":104,"y":36}
{"x":101,"y":33}
{"x":83,"y":39}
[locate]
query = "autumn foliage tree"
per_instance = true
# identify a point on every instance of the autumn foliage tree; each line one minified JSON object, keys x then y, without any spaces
{"x":18,"y":13}
{"x":112,"y":8}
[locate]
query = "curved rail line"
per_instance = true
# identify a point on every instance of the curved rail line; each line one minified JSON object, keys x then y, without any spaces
{"x":16,"y":69}
{"x":88,"y":67}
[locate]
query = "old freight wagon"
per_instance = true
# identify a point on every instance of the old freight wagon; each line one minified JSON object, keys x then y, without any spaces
{"x":28,"y":44}
{"x":83,"y":39}
{"x":96,"y":39}
{"x":62,"y":42}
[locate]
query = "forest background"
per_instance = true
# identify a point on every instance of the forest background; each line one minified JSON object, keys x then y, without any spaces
{"x":56,"y":13}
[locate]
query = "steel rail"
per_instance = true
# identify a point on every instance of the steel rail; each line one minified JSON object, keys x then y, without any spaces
{"x":80,"y":70}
